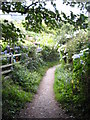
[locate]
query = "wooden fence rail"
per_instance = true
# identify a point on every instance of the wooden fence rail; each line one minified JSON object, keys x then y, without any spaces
{"x":10,"y":65}
{"x":12,"y":58}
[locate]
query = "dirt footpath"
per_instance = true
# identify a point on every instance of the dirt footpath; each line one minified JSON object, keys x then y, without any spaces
{"x":44,"y":104}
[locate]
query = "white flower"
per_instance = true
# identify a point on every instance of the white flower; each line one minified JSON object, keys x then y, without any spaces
{"x":84,"y":50}
{"x":75,"y":56}
{"x":81,"y":54}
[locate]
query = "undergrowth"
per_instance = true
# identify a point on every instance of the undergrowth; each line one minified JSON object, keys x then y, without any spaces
{"x":13,"y":98}
{"x":20,"y":88}
{"x":71,"y":97}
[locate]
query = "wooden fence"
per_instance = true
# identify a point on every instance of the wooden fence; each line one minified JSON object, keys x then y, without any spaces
{"x":12,"y":61}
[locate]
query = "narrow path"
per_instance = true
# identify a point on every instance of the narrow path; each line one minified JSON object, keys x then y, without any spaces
{"x":44,"y":104}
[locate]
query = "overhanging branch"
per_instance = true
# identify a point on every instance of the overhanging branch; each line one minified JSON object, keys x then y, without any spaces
{"x":19,"y":11}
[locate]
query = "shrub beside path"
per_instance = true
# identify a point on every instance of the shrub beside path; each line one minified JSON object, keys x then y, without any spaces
{"x":44,"y":104}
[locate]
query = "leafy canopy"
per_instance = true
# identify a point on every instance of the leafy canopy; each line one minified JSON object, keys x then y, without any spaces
{"x":37,"y":12}
{"x":10,"y":33}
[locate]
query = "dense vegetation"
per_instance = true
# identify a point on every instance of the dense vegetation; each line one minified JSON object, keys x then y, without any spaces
{"x":72,"y":77}
{"x":36,"y":12}
{"x":25,"y":78}
{"x":20,"y":88}
{"x":45,"y":39}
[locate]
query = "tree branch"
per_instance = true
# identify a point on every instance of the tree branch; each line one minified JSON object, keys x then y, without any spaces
{"x":30,"y":6}
{"x":23,"y":12}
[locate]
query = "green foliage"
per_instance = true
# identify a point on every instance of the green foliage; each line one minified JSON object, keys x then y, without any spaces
{"x":62,"y":85}
{"x":46,"y":38}
{"x":36,"y":12}
{"x":49,"y":54}
{"x":32,"y":60}
{"x":32,"y":51}
{"x":73,"y":46}
{"x":13,"y":98}
{"x":34,"y":64}
{"x":81,"y":70}
{"x":64,"y":34}
{"x":28,"y":81}
{"x":4,"y":61}
{"x":81,"y":79}
{"x":3,"y":45}
{"x":13,"y":35}
{"x":72,"y":78}
{"x":20,"y":88}
{"x":71,"y":93}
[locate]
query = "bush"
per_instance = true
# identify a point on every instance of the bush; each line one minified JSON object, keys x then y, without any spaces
{"x":20,"y":88}
{"x":50,"y":54}
{"x":34,"y":63}
{"x":27,"y":80}
{"x":74,"y":46}
{"x":5,"y":61}
{"x":62,"y":85}
{"x":13,"y":98}
{"x":32,"y":51}
{"x":71,"y":87}
{"x":81,"y":79}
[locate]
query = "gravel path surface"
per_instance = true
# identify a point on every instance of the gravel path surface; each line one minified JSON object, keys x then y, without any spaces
{"x":44,"y":104}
